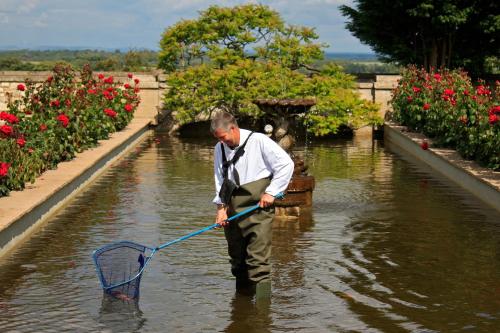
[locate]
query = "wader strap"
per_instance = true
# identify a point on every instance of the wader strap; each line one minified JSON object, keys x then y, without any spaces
{"x":236,"y":157}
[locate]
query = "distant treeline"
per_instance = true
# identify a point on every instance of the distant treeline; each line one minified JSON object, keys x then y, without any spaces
{"x":32,"y":60}
{"x":146,"y":60}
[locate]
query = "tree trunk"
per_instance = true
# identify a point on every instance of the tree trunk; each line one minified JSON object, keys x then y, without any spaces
{"x":424,"y":53}
{"x":434,"y":55}
{"x":450,"y":46}
{"x":443,"y":52}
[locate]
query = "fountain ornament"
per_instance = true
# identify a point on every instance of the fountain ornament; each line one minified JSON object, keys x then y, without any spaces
{"x":284,"y":114}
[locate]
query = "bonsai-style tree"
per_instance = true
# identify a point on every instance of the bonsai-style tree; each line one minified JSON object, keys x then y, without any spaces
{"x":230,"y":56}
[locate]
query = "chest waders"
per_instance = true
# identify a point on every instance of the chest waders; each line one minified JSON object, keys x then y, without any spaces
{"x":249,"y":237}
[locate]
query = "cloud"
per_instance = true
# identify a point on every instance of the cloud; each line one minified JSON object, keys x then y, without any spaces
{"x":140,"y":23}
{"x":26,"y":6}
{"x":42,"y":21}
{"x":4,"y":19}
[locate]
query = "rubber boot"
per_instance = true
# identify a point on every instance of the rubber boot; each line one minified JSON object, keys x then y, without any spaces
{"x":263,"y":290}
{"x":245,"y":287}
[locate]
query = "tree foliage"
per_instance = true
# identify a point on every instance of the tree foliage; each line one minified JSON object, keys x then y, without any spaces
{"x":230,"y":56}
{"x":444,"y":33}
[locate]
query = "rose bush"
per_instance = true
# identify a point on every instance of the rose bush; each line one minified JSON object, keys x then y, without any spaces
{"x":448,"y":108}
{"x":54,"y":120}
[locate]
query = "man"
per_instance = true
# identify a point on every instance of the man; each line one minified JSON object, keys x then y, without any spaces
{"x":249,"y":168}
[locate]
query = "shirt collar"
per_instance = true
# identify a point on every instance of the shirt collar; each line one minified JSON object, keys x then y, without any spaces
{"x":243,"y":136}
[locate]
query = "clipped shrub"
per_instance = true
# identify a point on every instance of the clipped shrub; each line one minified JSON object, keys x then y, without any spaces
{"x":58,"y":118}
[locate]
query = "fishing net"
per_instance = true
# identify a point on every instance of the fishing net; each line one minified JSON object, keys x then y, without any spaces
{"x":119,"y":268}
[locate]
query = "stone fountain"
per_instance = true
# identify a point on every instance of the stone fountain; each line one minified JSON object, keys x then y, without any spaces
{"x":283,"y":114}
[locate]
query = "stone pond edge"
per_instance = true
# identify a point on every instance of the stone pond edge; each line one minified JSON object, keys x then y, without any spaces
{"x":24,"y":212}
{"x":481,"y":182}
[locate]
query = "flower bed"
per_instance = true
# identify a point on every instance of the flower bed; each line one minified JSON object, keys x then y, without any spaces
{"x":54,"y":120}
{"x":448,"y":108}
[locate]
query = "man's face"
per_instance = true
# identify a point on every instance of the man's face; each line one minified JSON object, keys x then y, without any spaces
{"x":230,"y":137}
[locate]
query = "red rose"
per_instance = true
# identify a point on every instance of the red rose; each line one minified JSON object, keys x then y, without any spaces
{"x":136,"y":81}
{"x":424,"y":145}
{"x":127,"y":86}
{"x":449,"y":92}
{"x":68,"y":103}
{"x":6,"y":129}
{"x":92,"y":91}
{"x":100,"y":76}
{"x":109,"y":80}
{"x":493,"y":119}
{"x":437,"y":77}
{"x":409,"y":99}
{"x":4,"y":169}
{"x":21,"y":142}
{"x":482,"y":90}
{"x":43,"y":127}
{"x":21,"y":87}
{"x":427,"y":106}
{"x":107,"y":95}
{"x":493,"y":110}
{"x":129,"y":107}
{"x":55,"y":103}
{"x":129,"y":75}
{"x":49,"y":79}
{"x":416,"y":89}
{"x":63,"y":119}
{"x":8,"y":117}
{"x":110,"y":113}
{"x":466,"y":92}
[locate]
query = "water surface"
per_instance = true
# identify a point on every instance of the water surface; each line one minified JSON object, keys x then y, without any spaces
{"x":391,"y":247}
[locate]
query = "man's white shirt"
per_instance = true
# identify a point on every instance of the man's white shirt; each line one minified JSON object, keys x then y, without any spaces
{"x":262,"y":158}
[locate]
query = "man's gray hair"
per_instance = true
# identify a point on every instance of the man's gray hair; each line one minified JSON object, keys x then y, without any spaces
{"x":222,"y":120}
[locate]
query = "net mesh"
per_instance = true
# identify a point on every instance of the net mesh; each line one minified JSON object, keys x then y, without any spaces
{"x":120,"y":262}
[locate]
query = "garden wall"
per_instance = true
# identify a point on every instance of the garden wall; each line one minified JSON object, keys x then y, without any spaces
{"x":376,"y":88}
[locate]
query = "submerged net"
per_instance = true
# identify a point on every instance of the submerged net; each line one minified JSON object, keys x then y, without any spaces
{"x":118,"y":266}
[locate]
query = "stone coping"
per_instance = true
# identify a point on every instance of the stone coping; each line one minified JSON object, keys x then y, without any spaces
{"x":482,"y":182}
{"x":22,"y":211}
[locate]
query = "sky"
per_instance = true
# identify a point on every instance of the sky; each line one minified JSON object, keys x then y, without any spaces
{"x":139,"y":24}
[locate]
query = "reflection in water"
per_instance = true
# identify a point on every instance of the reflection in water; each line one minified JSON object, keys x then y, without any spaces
{"x":390,"y":247}
{"x":249,"y":315}
{"x":120,"y":316}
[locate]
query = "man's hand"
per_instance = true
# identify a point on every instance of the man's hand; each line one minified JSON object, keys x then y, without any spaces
{"x":266,"y":200}
{"x":221,"y":217}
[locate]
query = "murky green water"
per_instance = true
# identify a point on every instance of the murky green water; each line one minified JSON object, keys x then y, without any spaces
{"x":392,"y":247}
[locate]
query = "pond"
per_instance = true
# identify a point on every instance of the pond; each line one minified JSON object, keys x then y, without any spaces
{"x":391,"y":247}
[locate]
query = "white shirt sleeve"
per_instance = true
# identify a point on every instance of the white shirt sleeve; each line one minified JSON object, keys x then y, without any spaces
{"x":219,"y":177}
{"x":277,"y":160}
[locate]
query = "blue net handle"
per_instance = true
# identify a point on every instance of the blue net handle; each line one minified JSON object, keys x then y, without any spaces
{"x":215,"y":225}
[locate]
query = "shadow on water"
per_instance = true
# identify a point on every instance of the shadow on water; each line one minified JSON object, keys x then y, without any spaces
{"x":120,"y":316}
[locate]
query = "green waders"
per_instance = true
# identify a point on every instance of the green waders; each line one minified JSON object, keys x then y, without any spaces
{"x":249,"y":238}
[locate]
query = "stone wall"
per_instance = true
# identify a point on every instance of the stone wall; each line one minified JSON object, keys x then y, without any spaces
{"x":376,"y":88}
